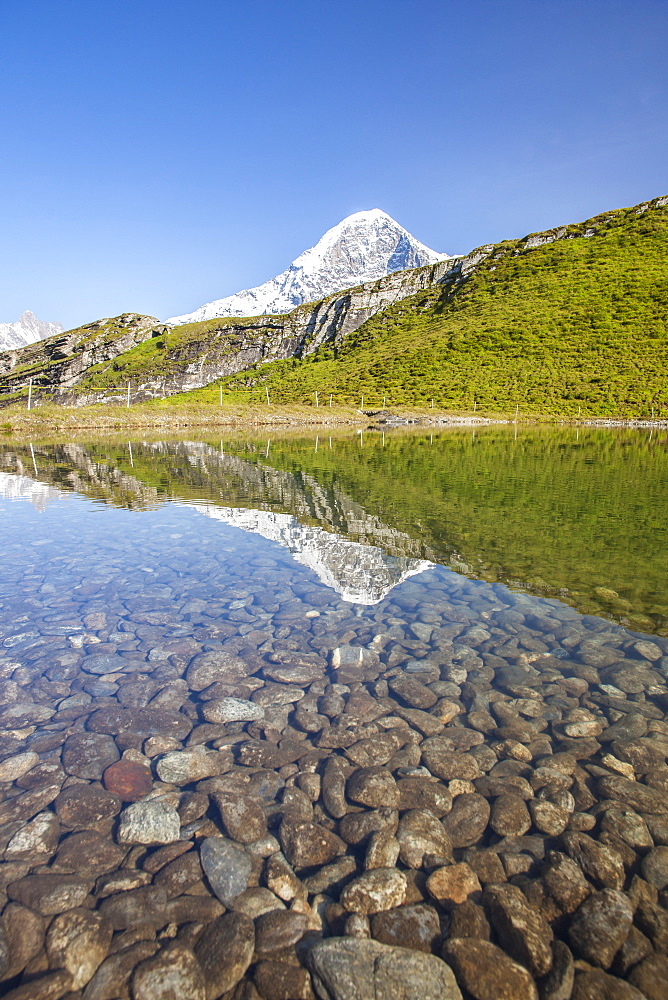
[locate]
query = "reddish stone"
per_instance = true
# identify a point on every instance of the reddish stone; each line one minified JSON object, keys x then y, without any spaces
{"x":129,"y":779}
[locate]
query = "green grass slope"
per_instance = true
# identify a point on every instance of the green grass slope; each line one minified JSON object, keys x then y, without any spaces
{"x":580,"y":322}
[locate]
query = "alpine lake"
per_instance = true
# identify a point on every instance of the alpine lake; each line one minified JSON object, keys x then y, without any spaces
{"x":381,"y":714}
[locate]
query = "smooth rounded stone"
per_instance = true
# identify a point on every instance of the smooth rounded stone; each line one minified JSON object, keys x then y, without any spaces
{"x":523,"y":931}
{"x":331,"y":877}
{"x":486,"y":864}
{"x":226,"y":866}
{"x":356,"y":828}
{"x":243,"y":819}
{"x":334,"y":787}
{"x":416,"y":927}
{"x":599,"y":985}
{"x":375,"y":750}
{"x":629,"y":727}
{"x":486,"y":972}
{"x":382,"y":850}
{"x":104,"y":663}
{"x":88,"y":755}
{"x":297,"y":673}
{"x":658,"y":829}
{"x":181,"y":767}
{"x":346,"y":968}
{"x":651,"y":976}
{"x":281,"y":879}
{"x":172,"y":974}
{"x":278,"y":929}
{"x":179,"y":875}
{"x":145,"y":905}
{"x":627,"y":824}
{"x":509,"y":816}
{"x":22,"y":932}
{"x":468,"y":920}
{"x":598,"y":861}
{"x":128,"y":779}
{"x":453,"y":884}
{"x":424,"y":793}
{"x":548,"y":817}
{"x":13,"y":768}
{"x":467,"y":821}
{"x":38,"y":837}
{"x":635,"y":948}
{"x":275,"y":980}
{"x":600,"y":926}
{"x":640,"y":754}
{"x":584,"y":729}
{"x":50,"y":986}
{"x":654,"y":867}
{"x":374,"y":891}
{"x":88,"y":853}
{"x":142,"y":722}
{"x":232,"y":710}
{"x":206,"y":669}
{"x":306,"y":844}
{"x":374,"y":787}
{"x":257,"y":901}
{"x":558,"y":983}
{"x":23,"y":807}
{"x":150,"y":822}
{"x":564,"y":881}
{"x":412,"y":691}
{"x":78,"y":941}
{"x":419,"y":833}
{"x":49,"y":893}
{"x":447,"y":763}
{"x":224,"y":951}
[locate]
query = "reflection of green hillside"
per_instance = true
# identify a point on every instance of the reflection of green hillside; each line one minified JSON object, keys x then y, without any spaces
{"x":560,"y":512}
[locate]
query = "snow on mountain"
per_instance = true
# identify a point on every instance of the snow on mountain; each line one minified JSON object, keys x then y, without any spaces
{"x":364,"y":247}
{"x":361,"y":574}
{"x":27,"y":330}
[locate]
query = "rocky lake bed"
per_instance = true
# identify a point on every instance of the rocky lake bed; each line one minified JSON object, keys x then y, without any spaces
{"x":221,"y":779}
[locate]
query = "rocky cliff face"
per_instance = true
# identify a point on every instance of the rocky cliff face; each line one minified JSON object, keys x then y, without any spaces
{"x":364,"y":247}
{"x":195,"y":355}
{"x":64,"y":359}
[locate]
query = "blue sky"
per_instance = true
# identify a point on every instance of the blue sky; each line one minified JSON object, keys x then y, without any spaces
{"x":157,"y":154}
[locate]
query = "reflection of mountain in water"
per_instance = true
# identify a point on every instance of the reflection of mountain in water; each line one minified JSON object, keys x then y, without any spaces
{"x":362,"y":574}
{"x":351,"y":551}
{"x":24,"y":488}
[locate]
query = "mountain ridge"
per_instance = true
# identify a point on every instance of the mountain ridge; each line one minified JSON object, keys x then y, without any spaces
{"x":362,"y":247}
{"x":26,"y":330}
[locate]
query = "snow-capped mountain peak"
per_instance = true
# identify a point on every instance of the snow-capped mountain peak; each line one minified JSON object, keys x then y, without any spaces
{"x":26,"y":330}
{"x":363,"y":247}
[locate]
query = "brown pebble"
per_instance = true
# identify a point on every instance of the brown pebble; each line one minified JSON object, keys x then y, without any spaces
{"x":128,"y":779}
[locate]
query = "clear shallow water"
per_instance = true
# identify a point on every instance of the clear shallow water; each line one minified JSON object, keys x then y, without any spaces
{"x":286,"y":622}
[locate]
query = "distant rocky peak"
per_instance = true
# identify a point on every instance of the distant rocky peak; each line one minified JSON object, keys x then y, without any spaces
{"x":26,"y":330}
{"x":363,"y":247}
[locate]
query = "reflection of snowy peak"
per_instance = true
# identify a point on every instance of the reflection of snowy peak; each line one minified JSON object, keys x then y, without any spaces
{"x":27,"y":330}
{"x":361,"y":574}
{"x":364,"y":247}
{"x":23,"y":488}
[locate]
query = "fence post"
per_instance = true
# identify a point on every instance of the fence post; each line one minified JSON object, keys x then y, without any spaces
{"x":128,"y":402}
{"x":517,"y":410}
{"x":267,"y":394}
{"x":362,"y":403}
{"x":316,"y":399}
{"x":330,"y":399}
{"x":30,"y":394}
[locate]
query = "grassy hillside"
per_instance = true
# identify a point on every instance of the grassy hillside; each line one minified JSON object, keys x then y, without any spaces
{"x":578,"y":322}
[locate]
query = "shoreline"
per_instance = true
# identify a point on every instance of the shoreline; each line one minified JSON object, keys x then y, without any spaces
{"x":20,"y":422}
